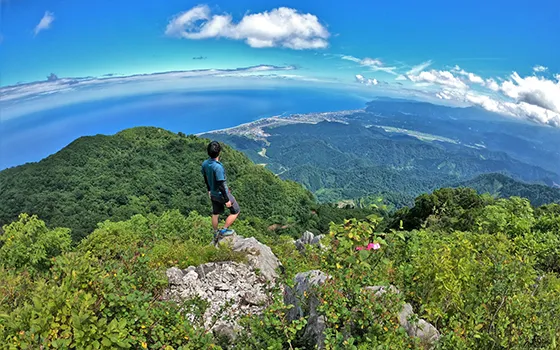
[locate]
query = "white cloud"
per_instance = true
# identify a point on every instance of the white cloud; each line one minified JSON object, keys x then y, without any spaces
{"x":473,"y":78}
{"x":374,"y":64}
{"x":400,"y":77}
{"x":459,"y":70}
{"x":281,"y":27}
{"x":24,"y":91}
{"x":351,"y":58}
{"x":519,"y":110}
{"x":492,"y":84}
{"x":371,"y":62}
{"x":533,"y":90}
{"x":539,"y":68}
{"x":418,"y":68}
{"x":534,"y":98}
{"x":363,"y":80}
{"x":45,"y":22}
{"x":444,"y":95}
{"x":444,"y":78}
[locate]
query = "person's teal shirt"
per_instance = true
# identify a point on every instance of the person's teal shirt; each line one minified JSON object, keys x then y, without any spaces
{"x":215,"y":173}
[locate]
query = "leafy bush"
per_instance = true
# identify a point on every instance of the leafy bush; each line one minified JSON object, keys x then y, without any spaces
{"x":184,"y":254}
{"x":355,"y":317}
{"x":483,"y":271}
{"x":27,"y":244}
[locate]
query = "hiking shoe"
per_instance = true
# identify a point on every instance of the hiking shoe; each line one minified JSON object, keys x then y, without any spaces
{"x":216,"y":235}
{"x":226,"y":232}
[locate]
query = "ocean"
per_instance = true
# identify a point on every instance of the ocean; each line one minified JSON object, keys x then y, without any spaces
{"x":33,"y":137}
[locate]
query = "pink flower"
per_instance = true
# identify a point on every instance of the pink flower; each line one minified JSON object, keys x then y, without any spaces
{"x":370,"y":246}
{"x":373,"y":246}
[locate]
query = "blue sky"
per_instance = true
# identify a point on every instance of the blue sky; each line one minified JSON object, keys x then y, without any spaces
{"x":501,"y":55}
{"x":98,"y":37}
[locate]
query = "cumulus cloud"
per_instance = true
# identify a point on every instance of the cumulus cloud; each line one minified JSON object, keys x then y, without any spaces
{"x":533,"y":90}
{"x":45,"y":22}
{"x":281,"y":27}
{"x":371,"y":62}
{"x":519,"y":110}
{"x":433,"y":76}
{"x":363,"y":80}
{"x":540,"y":69}
{"x":492,"y":84}
{"x":533,"y":98}
{"x":473,"y":78}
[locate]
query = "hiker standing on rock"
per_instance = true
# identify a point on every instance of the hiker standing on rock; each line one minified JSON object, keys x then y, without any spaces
{"x":218,"y":191}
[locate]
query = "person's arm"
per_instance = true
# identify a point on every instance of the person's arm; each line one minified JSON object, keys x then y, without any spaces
{"x":223,"y":190}
{"x":221,"y":182}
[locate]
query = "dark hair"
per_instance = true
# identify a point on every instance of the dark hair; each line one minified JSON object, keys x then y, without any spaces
{"x":214,"y":149}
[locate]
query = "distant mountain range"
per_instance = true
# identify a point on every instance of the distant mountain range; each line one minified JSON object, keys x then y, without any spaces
{"x":396,"y":148}
{"x":502,"y":186}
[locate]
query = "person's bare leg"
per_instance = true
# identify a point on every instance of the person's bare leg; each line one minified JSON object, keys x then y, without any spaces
{"x":230,"y":219}
{"x":215,"y":220}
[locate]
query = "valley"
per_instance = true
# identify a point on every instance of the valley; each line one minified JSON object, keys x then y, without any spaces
{"x":390,"y":153}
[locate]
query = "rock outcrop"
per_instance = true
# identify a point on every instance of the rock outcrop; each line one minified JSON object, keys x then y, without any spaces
{"x":231,"y":289}
{"x":259,"y":256}
{"x":308,"y":238}
{"x":419,"y":328}
{"x":305,"y":300}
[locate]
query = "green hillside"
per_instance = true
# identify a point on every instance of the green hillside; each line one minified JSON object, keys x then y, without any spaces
{"x":483,"y":271}
{"x":502,"y":186}
{"x":146,"y":170}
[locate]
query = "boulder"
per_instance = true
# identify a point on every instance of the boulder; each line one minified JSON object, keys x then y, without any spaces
{"x":259,"y":256}
{"x":231,"y":289}
{"x":418,"y":328}
{"x":305,"y":300}
{"x":421,"y":329}
{"x":308,"y":238}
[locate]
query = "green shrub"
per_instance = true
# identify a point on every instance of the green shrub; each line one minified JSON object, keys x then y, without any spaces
{"x":90,"y":304}
{"x":167,"y":254}
{"x":27,"y":244}
{"x":355,"y":317}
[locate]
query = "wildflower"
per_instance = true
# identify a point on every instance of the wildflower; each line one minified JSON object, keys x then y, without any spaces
{"x":144,"y":345}
{"x":370,"y":246}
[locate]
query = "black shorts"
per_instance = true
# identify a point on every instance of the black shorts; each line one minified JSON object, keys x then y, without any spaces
{"x":219,"y":205}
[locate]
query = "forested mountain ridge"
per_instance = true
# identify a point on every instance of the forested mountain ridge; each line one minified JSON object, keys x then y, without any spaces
{"x":502,"y":186}
{"x":139,"y":171}
{"x":347,"y":160}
